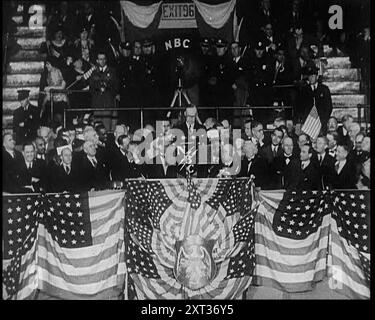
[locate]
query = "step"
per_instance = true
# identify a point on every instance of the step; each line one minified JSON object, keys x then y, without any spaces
{"x":30,"y":43}
{"x":338,"y":63}
{"x":22,"y":80}
{"x":25,"y":67}
{"x":348,"y":100}
{"x":28,"y":55}
{"x":10,"y":94}
{"x":341,"y":75}
{"x":340,"y":112}
{"x":10,"y":106}
{"x":344,"y":87}
{"x":7,"y":121}
{"x":31,"y":32}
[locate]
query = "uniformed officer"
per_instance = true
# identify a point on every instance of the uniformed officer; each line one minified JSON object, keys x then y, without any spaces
{"x":312,"y":93}
{"x":129,"y":73}
{"x":221,"y":80}
{"x":260,"y":81}
{"x":26,"y":118}
{"x":150,"y":95}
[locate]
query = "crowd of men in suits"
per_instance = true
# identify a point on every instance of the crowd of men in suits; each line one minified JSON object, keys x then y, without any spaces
{"x":87,"y":157}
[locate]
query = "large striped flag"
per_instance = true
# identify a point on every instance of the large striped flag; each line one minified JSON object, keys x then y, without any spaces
{"x":77,"y":247}
{"x":20,"y":224}
{"x":161,"y":213}
{"x":291,"y":239}
{"x":349,"y":250}
{"x":312,"y":125}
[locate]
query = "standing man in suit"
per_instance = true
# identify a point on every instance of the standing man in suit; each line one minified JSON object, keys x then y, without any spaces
{"x":26,"y":118}
{"x":104,"y":87}
{"x":287,"y":167}
{"x":40,"y":146}
{"x":344,"y":177}
{"x":326,"y":162}
{"x":254,"y":165}
{"x":343,"y":130}
{"x":314,"y":93}
{"x":64,"y":177}
{"x":274,"y":149}
{"x":93,"y":173}
{"x":310,"y":176}
{"x":11,"y":159}
{"x":30,"y":173}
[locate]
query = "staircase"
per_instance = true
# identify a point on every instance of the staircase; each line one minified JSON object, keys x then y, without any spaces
{"x":344,"y":83}
{"x":23,"y":68}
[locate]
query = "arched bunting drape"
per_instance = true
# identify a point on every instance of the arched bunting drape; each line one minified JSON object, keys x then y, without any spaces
{"x":212,"y":20}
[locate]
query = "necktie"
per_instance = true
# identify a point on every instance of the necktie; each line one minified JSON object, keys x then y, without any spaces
{"x":287,"y":160}
{"x":274,"y":151}
{"x":94,"y":162}
{"x":320,"y":158}
{"x":302,"y":166}
{"x":67,"y":169}
{"x":337,"y":166}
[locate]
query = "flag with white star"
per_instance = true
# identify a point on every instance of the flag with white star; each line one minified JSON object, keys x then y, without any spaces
{"x":349,"y":260}
{"x":170,"y":211}
{"x":300,"y":213}
{"x":68,"y":245}
{"x":291,"y":239}
{"x":20,"y":224}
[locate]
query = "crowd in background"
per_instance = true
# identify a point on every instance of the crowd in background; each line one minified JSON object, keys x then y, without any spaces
{"x":99,"y":150}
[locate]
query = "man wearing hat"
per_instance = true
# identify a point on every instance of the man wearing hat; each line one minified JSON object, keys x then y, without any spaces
{"x":221,"y":79}
{"x":26,"y":119}
{"x":312,"y":93}
{"x":260,"y":81}
{"x":150,"y":93}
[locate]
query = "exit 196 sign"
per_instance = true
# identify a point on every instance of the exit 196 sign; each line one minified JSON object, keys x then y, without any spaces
{"x":177,"y":15}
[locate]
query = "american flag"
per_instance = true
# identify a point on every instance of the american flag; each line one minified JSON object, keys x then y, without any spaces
{"x":349,"y":263}
{"x":291,"y":239}
{"x":79,"y":248}
{"x":20,"y":224}
{"x":312,"y":125}
{"x":301,"y":237}
{"x":161,"y":212}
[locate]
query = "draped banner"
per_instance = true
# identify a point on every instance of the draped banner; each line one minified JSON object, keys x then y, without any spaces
{"x":142,"y":22}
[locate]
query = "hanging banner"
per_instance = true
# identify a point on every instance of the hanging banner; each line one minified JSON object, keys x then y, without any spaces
{"x":177,"y":15}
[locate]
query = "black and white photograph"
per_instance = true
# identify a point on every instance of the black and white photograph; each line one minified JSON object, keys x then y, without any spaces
{"x":204,"y":150}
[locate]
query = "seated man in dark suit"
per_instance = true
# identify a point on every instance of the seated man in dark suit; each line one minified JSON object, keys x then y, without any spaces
{"x":344,"y":177}
{"x":30,"y":173}
{"x":93,"y":173}
{"x":310,"y":176}
{"x":64,"y":177}
{"x":40,"y":146}
{"x":287,"y":168}
{"x":254,"y":165}
{"x":343,"y":130}
{"x":325,"y":161}
{"x":11,"y":158}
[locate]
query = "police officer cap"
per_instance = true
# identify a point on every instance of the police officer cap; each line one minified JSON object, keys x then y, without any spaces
{"x":310,"y":70}
{"x":147,"y":43}
{"x":220,"y":43}
{"x":260,"y":45}
{"x":23,"y":94}
{"x":205,"y":42}
{"x":125,"y":45}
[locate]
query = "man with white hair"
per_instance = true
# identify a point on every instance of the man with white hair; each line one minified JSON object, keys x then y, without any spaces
{"x":93,"y":171}
{"x":253,"y":165}
{"x":10,"y":159}
{"x":64,"y":177}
